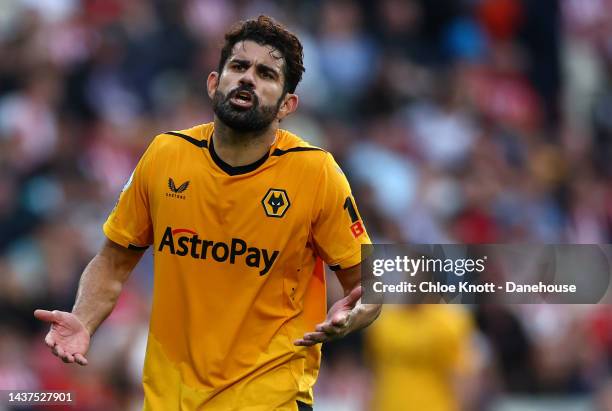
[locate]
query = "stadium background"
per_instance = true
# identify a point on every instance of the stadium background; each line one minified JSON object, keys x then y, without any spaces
{"x":456,"y":121}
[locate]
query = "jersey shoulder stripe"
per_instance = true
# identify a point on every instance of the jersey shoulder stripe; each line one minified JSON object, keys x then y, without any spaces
{"x":280,"y":151}
{"x":291,"y":143}
{"x":197,"y":143}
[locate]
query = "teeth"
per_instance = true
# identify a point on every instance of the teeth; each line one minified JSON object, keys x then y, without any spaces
{"x":243,"y":96}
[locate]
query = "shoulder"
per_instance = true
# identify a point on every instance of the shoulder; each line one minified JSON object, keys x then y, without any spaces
{"x":293,"y":148}
{"x":289,"y":143}
{"x":314,"y":161}
{"x":194,"y":137}
{"x":454,"y":317}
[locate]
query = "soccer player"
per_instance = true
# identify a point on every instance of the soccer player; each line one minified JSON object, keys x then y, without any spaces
{"x":241,"y":216}
{"x":439,"y":369}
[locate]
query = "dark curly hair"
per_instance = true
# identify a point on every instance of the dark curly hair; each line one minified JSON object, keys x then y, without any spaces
{"x":265,"y":31}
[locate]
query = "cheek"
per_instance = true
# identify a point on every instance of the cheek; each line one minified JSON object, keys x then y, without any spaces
{"x":225,"y":83}
{"x":271,"y":94}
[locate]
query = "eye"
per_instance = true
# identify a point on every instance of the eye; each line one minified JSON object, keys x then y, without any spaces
{"x":267,"y":75}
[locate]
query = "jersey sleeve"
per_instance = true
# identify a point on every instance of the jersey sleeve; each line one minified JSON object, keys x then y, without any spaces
{"x":338,"y":231}
{"x":129,"y":223}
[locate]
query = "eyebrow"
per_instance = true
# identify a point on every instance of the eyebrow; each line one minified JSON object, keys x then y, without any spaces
{"x":260,"y":65}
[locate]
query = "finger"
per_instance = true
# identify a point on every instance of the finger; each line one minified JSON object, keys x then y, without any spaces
{"x":304,"y":343}
{"x":328,"y":328}
{"x":60,"y":352}
{"x":80,"y":359}
{"x":316,"y":336}
{"x":54,"y":351}
{"x":44,"y":315}
{"x":68,"y":358}
{"x":322,"y":326}
{"x":49,"y":340}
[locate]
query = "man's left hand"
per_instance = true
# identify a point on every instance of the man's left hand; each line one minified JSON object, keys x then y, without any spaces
{"x":345,"y":316}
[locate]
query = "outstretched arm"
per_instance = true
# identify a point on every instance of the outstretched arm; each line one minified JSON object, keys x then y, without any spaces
{"x":347,"y":314}
{"x":99,"y":289}
{"x":102,"y":282}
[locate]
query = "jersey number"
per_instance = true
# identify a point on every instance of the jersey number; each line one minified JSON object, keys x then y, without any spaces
{"x":350,"y":207}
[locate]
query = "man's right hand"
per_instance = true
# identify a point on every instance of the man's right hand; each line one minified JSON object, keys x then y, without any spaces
{"x":68,"y":338}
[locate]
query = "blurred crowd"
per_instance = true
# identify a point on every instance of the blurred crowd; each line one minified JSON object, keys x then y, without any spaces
{"x":478,"y":121}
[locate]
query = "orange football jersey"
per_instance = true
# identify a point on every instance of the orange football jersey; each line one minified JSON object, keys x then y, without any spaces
{"x":238,"y":254}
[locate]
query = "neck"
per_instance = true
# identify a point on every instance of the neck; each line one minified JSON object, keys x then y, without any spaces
{"x":240,"y":149}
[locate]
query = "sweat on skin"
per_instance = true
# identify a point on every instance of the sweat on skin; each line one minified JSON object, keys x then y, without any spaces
{"x":219,"y":251}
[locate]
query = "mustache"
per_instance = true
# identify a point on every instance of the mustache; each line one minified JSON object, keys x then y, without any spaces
{"x":248,"y":89}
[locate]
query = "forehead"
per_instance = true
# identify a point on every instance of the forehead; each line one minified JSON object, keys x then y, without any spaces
{"x":257,"y":54}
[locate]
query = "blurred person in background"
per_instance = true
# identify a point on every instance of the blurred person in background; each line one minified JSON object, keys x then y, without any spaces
{"x":423,"y":357}
{"x":237,"y":320}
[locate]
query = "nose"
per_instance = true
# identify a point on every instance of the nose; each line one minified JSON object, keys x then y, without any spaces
{"x":248,"y":78}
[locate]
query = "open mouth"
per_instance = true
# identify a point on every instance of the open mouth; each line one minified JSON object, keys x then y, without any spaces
{"x":242,"y":99}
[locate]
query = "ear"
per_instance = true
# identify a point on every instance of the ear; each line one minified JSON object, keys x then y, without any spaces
{"x":288,"y":106}
{"x":212,"y":82}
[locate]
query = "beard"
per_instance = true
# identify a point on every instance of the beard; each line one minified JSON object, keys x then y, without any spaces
{"x":251,"y":120}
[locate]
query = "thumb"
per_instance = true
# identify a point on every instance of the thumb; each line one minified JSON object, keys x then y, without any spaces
{"x":47,"y":316}
{"x":353,"y":296}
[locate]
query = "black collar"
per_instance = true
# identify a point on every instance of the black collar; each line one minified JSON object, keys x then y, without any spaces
{"x":234,"y":170}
